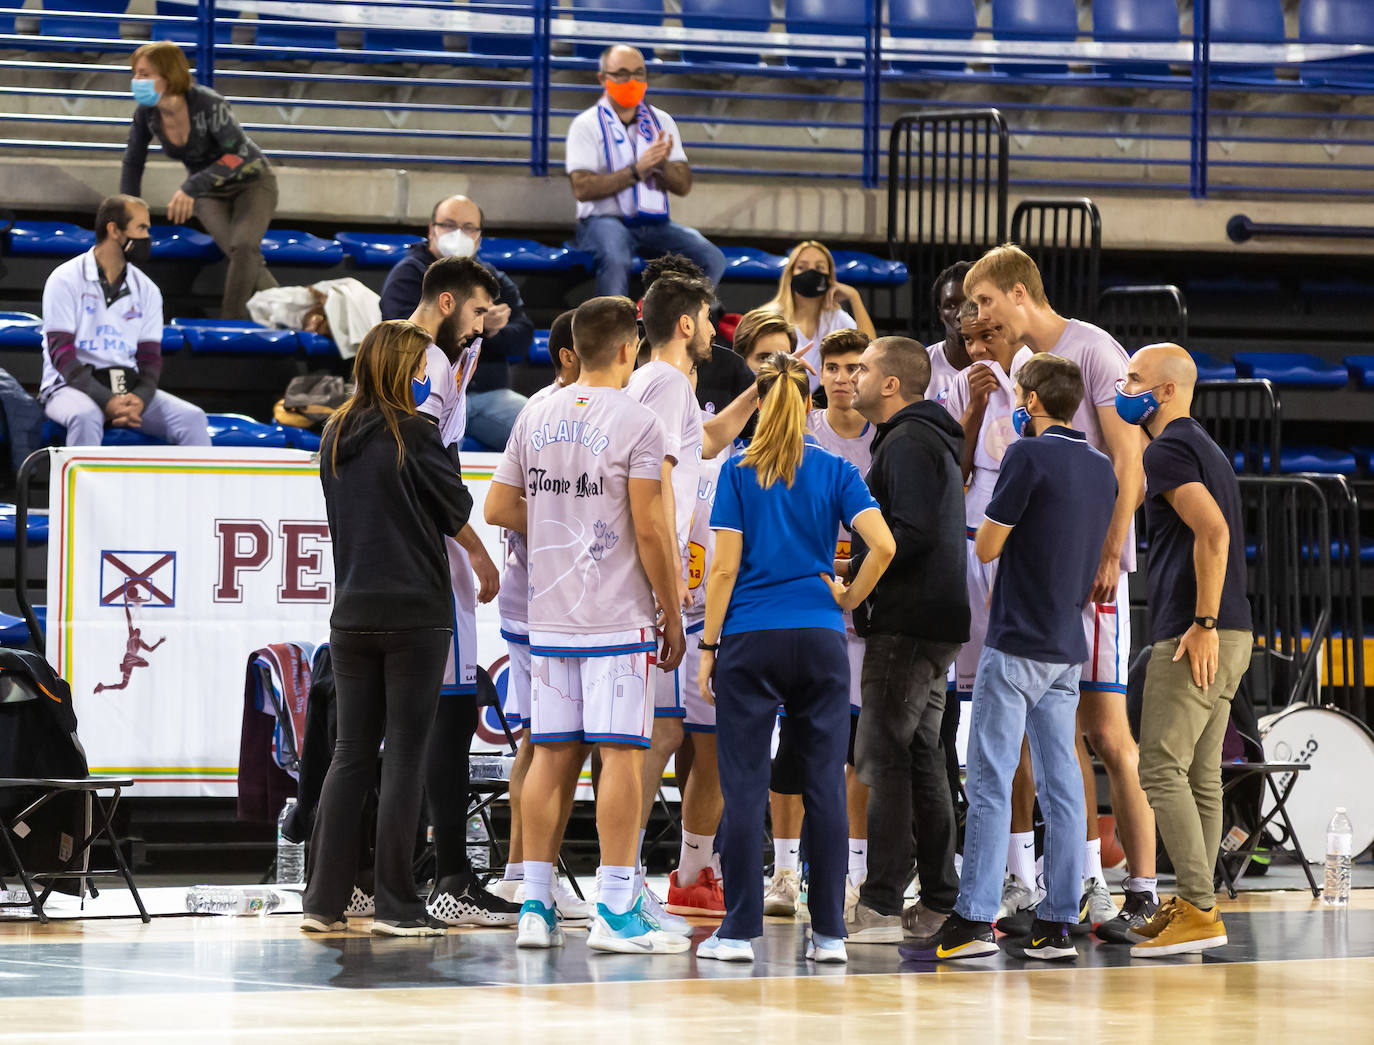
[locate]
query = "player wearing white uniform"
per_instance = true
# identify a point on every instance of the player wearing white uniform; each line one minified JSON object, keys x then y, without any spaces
{"x":948,"y":357}
{"x":1008,"y":289}
{"x":582,"y":479}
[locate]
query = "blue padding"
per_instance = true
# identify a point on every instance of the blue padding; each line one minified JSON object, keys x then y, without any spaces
{"x":1325,"y":460}
{"x":19,"y":317}
{"x":173,"y":340}
{"x":539,"y":349}
{"x":237,"y":337}
{"x":130,"y":437}
{"x":178,"y":243}
{"x":1361,"y":370}
{"x":241,"y":430}
{"x":1295,"y":369}
{"x":56,"y":239}
{"x":525,"y":255}
{"x":852,"y":266}
{"x":376,"y":249}
{"x":317,"y":345}
{"x":751,"y":263}
{"x":37,"y":527}
{"x":15,"y":632}
{"x":1365,"y":456}
{"x":23,"y":333}
{"x":1211,"y":369}
{"x":300,"y":438}
{"x":292,"y":247}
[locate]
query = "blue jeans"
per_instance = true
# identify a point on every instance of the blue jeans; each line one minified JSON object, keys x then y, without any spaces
{"x":613,"y":244}
{"x":491,"y":414}
{"x":1015,"y":697}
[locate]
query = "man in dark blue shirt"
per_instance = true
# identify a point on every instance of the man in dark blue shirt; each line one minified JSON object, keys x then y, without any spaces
{"x":1200,"y":627}
{"x":1046,"y":521}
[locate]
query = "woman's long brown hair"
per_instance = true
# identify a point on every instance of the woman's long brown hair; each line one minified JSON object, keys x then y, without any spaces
{"x":382,"y":372}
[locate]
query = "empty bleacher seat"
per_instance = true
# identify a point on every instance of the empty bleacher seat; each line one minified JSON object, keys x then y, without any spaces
{"x":852,"y":266}
{"x":1348,"y":22}
{"x":317,"y":345}
{"x":1211,"y":369}
{"x":37,"y":528}
{"x":955,"y":20}
{"x":1364,"y":457}
{"x":1040,"y":21}
{"x":621,"y":13}
{"x":300,"y":438}
{"x":827,"y":18}
{"x":188,"y":32}
{"x":1247,"y":22}
{"x":1361,"y":368}
{"x":376,"y":249}
{"x":239,"y":430}
{"x":20,"y":330}
{"x":274,"y":31}
{"x":539,"y":349}
{"x":177,"y":242}
{"x":14,"y":631}
{"x":525,"y":255}
{"x":85,"y":28}
{"x":6,"y":19}
{"x":1291,"y":369}
{"x":293,"y":247}
{"x":237,"y":337}
{"x":173,"y":340}
{"x":57,"y":239}
{"x":1325,"y":460}
{"x":726,"y":16}
{"x":752,"y":264}
{"x":1135,"y":21}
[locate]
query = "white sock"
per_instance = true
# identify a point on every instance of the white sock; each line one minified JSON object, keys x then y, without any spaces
{"x":694,"y":858}
{"x":539,"y":882}
{"x":1092,"y":860}
{"x":785,"y":854}
{"x":1144,"y":885}
{"x":617,"y":890}
{"x":639,"y":855}
{"x":1021,"y":857}
{"x":858,"y":861}
{"x":515,"y":872}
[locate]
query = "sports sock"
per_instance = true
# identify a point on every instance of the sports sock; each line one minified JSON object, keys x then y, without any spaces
{"x":617,"y":890}
{"x":786,"y":854}
{"x":1144,"y":885}
{"x":695,"y":857}
{"x":858,"y":861}
{"x":1092,"y":860}
{"x":639,"y":855}
{"x":514,"y":872}
{"x":1021,"y":858}
{"x":539,"y":882}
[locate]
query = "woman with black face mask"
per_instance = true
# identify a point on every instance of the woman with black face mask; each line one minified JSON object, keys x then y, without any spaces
{"x":814,"y":303}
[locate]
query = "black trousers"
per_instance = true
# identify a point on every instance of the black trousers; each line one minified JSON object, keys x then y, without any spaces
{"x":447,"y":780}
{"x":387,"y":683}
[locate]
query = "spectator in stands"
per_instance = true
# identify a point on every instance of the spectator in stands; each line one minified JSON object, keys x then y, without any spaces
{"x":810,"y":300}
{"x":624,"y":158}
{"x":761,"y":333}
{"x":455,"y":231}
{"x":102,"y":332}
{"x":230,"y":186}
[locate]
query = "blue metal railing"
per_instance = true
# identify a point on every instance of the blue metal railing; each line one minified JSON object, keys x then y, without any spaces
{"x":802,"y":98}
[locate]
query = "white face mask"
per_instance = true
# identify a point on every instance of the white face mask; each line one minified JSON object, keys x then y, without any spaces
{"x":456,"y":244}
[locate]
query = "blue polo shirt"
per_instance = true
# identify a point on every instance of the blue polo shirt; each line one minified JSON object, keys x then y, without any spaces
{"x":789,"y":540}
{"x":1058,"y":494}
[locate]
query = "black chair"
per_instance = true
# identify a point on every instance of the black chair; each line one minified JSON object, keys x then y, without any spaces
{"x":1233,"y":774}
{"x":1144,"y":315}
{"x":1246,"y":420}
{"x":1064,"y":236}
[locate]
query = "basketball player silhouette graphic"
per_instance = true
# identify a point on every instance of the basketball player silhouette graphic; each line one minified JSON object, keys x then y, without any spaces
{"x":135,"y":646}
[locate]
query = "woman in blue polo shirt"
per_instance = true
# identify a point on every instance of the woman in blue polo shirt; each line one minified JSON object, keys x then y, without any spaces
{"x":774,"y":635}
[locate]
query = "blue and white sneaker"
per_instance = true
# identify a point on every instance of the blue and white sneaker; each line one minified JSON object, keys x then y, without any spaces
{"x":654,"y":910}
{"x":831,"y":951}
{"x":633,"y":932}
{"x":538,"y":926}
{"x":726,"y":950}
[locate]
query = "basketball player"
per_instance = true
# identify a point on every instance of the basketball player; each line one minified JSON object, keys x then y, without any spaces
{"x":1008,"y":289}
{"x":582,"y":478}
{"x":948,"y":358}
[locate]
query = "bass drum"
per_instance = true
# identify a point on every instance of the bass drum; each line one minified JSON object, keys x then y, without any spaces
{"x":1340,"y":749}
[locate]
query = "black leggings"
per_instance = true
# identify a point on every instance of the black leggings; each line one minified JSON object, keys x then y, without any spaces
{"x":447,"y":779}
{"x":387,"y":684}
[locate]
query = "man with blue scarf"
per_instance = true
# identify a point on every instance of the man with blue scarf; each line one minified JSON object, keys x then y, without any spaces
{"x":624,"y":158}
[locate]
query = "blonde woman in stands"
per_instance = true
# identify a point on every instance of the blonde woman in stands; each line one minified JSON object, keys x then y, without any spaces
{"x":229,"y":184}
{"x":812,"y":301}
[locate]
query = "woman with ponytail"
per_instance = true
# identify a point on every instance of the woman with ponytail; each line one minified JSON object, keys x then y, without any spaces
{"x":774,"y":635}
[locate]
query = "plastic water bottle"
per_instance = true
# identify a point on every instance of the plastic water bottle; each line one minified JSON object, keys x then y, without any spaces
{"x":231,"y":899}
{"x":1339,"y":835}
{"x":290,"y":855}
{"x":478,"y":844}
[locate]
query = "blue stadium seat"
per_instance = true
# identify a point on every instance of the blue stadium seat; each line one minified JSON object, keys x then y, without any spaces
{"x":188,"y":32}
{"x":55,"y":435}
{"x":173,"y":340}
{"x":178,"y":243}
{"x":539,"y":349}
{"x":237,"y":337}
{"x":932,"y":20}
{"x":1337,"y":22}
{"x":525,"y":255}
{"x":270,"y":33}
{"x":317,"y":345}
{"x":21,"y":330}
{"x":1292,"y":369}
{"x":1211,"y":369}
{"x":745,"y":16}
{"x":7,"y":20}
{"x":1364,"y":456}
{"x":826,"y":18}
{"x":37,"y":528}
{"x":621,"y":12}
{"x":1247,"y":22}
{"x":238,"y":430}
{"x":1042,"y":21}
{"x":292,"y":247}
{"x":300,"y":438}
{"x":1361,"y":367}
{"x":92,"y":28}
{"x":56,"y":239}
{"x":752,"y":264}
{"x":852,"y":266}
{"x":376,"y":249}
{"x":14,"y":631}
{"x":1143,"y":21}
{"x":516,"y":46}
{"x":1325,"y":460}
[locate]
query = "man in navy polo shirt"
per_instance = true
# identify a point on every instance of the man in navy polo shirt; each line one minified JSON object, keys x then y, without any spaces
{"x":1046,"y":521}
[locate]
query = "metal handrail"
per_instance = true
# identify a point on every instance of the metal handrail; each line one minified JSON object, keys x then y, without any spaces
{"x":21,"y":546}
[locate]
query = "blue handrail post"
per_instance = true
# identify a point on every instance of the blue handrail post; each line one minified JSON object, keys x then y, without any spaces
{"x":1202,"y":81}
{"x":205,"y":42}
{"x":539,"y":89}
{"x":873,"y":105}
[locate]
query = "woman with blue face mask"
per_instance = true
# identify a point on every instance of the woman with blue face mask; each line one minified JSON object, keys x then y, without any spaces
{"x":229,"y":185}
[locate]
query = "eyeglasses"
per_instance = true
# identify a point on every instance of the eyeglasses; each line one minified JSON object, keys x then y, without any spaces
{"x":625,"y":75}
{"x":467,"y":228}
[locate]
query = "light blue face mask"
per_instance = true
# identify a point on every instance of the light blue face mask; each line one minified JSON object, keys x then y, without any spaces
{"x":1135,"y":409}
{"x":145,"y":93}
{"x":420,"y":390}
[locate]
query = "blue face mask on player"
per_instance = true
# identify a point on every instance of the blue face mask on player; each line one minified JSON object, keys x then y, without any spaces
{"x":420,"y":390}
{"x":145,"y":92}
{"x":1135,"y":409}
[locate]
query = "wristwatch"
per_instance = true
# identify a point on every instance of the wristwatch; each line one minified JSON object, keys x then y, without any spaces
{"x":1206,"y":623}
{"x":711,"y":646}
{"x":634,"y":173}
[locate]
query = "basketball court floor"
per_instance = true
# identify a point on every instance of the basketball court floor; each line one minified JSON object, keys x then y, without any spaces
{"x":1293,"y":972}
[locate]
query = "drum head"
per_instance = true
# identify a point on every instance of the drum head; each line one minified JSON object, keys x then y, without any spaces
{"x":1340,"y":750}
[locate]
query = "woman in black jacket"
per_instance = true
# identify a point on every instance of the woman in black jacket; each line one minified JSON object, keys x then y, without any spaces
{"x":392,"y":492}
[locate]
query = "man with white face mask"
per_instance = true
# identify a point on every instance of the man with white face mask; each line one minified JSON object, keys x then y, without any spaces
{"x":455,"y":230}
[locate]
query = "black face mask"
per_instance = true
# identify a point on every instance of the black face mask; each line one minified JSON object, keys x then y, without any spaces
{"x":810,"y":284}
{"x":138,"y":251}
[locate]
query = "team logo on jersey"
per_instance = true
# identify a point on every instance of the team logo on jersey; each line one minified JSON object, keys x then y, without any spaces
{"x":89,"y":303}
{"x":134,"y":313}
{"x":147,"y":579}
{"x":582,"y":400}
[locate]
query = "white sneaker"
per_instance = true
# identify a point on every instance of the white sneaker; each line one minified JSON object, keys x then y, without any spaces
{"x":826,"y":954}
{"x":633,"y":932}
{"x":726,"y":950}
{"x":512,"y":889}
{"x":538,"y":927}
{"x":781,"y":896}
{"x":851,"y":900}
{"x":1101,"y":906}
{"x":570,"y":909}
{"x":654,"y":910}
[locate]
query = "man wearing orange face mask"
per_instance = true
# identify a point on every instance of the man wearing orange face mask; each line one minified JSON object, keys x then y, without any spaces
{"x":624,"y":159}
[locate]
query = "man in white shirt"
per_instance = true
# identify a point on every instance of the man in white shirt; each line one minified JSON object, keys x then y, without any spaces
{"x":102,"y":339}
{"x":624,"y":158}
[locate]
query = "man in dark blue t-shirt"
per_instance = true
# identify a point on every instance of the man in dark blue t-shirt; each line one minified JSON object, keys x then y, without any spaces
{"x":1046,"y":521}
{"x":1200,"y":627}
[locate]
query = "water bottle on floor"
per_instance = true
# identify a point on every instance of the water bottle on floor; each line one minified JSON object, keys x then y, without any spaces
{"x":231,"y":899}
{"x":1339,"y":835}
{"x":290,"y":855}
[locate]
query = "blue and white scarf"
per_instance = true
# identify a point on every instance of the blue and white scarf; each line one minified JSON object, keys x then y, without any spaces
{"x":621,"y":146}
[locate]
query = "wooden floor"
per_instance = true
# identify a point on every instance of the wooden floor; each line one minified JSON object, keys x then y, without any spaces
{"x":1294,"y":973}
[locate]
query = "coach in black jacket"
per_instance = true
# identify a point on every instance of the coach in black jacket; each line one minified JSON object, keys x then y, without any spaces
{"x":913,"y":623}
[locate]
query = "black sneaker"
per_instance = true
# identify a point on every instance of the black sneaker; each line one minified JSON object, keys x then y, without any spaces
{"x":1047,"y":942}
{"x":1084,"y":925}
{"x":1018,"y":923}
{"x":460,"y":899}
{"x":1138,"y":909}
{"x":957,"y":938}
{"x":426,"y":926}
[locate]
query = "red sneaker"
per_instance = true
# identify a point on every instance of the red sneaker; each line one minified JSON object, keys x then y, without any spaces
{"x":703,"y":898}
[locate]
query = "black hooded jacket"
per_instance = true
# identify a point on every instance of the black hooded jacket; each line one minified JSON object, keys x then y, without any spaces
{"x":388,"y":523}
{"x":917,"y":481}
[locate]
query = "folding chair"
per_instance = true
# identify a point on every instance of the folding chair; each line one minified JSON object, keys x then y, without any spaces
{"x":1232,"y":774}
